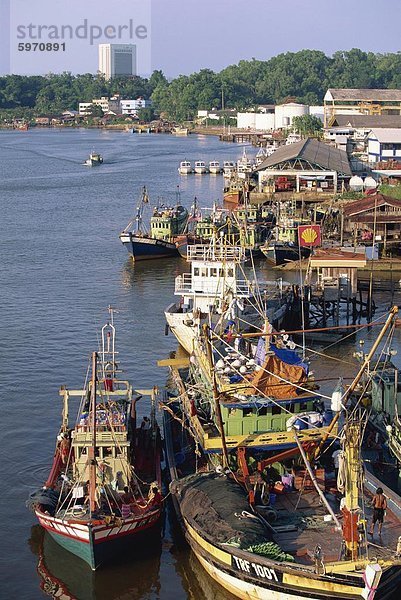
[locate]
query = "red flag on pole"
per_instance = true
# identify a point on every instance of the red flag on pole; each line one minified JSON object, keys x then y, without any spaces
{"x":309,"y":235}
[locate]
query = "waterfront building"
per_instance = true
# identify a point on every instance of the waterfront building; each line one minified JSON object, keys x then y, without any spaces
{"x":268,"y":117}
{"x":384,"y":145}
{"x":360,"y":102}
{"x":377,"y":215}
{"x":108,"y":105}
{"x":256,"y":120}
{"x":131,"y":107}
{"x":308,"y":165}
{"x":117,"y":60}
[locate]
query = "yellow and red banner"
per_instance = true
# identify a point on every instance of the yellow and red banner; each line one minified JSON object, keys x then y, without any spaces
{"x":309,"y":235}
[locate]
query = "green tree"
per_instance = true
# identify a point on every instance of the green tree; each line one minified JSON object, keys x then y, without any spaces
{"x":157,"y":79}
{"x":307,"y":125}
{"x":146,"y":114}
{"x":95,"y":111}
{"x":303,"y":76}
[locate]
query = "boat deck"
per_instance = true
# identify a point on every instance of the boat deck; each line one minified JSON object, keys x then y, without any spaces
{"x":300,"y":527}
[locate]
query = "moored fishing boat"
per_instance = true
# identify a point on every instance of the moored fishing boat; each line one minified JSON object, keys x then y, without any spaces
{"x":234,"y":191}
{"x":279,"y":253}
{"x":245,"y":165}
{"x":264,"y":536}
{"x":255,"y":225}
{"x":166,"y":223}
{"x":200,"y":167}
{"x":229,"y":168}
{"x":103,"y":490}
{"x":214,"y":167}
{"x":185,"y":167}
{"x":217,"y":292}
{"x":284,"y":244}
{"x":205,"y":223}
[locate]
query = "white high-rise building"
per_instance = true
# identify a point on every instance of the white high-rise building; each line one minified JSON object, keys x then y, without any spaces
{"x":117,"y":59}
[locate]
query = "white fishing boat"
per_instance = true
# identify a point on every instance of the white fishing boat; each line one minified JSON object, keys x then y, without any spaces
{"x":244,"y":165}
{"x":200,"y":167}
{"x":217,"y":292}
{"x":264,"y":153}
{"x":229,"y":168}
{"x":214,"y":167}
{"x":185,"y":167}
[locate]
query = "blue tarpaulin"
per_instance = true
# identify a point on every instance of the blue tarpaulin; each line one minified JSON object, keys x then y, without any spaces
{"x":289,"y":356}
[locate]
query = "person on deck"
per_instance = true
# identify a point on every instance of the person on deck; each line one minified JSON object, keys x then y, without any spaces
{"x":379,"y":504}
{"x":155,"y":498}
{"x":126,"y":499}
{"x":64,"y":448}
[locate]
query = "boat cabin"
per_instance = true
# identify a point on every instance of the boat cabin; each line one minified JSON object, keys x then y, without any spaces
{"x":261,"y":416}
{"x":113,"y":430}
{"x":386,"y":392}
{"x":213,"y":278}
{"x":167,"y":222}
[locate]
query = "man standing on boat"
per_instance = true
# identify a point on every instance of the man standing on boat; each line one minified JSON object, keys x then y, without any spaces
{"x":379,"y":504}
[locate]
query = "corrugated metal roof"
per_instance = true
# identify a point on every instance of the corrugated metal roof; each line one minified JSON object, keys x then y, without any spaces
{"x":365,"y":94}
{"x":367,"y":121}
{"x":370,"y":203}
{"x":387,"y":135}
{"x":315,"y":152}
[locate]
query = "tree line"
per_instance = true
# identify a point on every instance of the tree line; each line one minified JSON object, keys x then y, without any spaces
{"x":302,"y":76}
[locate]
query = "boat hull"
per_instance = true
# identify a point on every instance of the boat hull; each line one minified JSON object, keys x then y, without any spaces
{"x":99,"y":544}
{"x":141,"y":248}
{"x":268,"y":582}
{"x":232,"y":197}
{"x":184,"y":333}
{"x":281,"y":254}
{"x":250,"y":576}
{"x":184,"y":170}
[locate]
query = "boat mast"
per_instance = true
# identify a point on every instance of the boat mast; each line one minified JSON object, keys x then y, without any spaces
{"x":351,"y":507}
{"x":139,"y":210}
{"x":217,"y":406}
{"x":108,"y":352}
{"x":92,"y":448}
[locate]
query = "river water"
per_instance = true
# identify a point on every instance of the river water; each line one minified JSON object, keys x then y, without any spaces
{"x":61,"y":265}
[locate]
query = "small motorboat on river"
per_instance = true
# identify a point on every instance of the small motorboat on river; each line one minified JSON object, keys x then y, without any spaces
{"x":94,"y":160}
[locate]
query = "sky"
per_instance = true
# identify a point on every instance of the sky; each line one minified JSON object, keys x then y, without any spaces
{"x":183,"y":36}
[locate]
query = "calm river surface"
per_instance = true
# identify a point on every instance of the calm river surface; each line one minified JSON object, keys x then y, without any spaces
{"x":61,"y":265}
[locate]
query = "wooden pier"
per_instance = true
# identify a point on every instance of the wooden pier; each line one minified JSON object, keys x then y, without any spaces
{"x":241,"y":137}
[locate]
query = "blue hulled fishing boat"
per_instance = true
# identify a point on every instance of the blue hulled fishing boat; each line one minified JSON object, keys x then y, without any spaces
{"x":166,"y":223}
